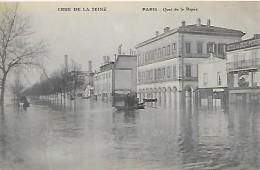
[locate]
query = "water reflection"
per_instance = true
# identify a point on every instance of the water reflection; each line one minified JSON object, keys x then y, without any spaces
{"x":93,"y":135}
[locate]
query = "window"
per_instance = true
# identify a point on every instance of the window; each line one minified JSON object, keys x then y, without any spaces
{"x":187,"y":45}
{"x":139,"y":76}
{"x":164,"y":51}
{"x":211,"y":48}
{"x":168,"y":50}
{"x":154,"y":53}
{"x":151,"y":75}
{"x":168,"y":72}
{"x":173,"y":48}
{"x":205,"y":79}
{"x":254,"y":78}
{"x":151,"y":55}
{"x":174,"y":71}
{"x":163,"y":73}
{"x":219,"y":78}
{"x":146,"y":56}
{"x":188,"y":70}
{"x":159,"y":74}
{"x":221,"y":49}
{"x":199,"y":50}
{"x":159,"y":52}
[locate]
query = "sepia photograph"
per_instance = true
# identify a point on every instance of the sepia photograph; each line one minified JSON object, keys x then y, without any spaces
{"x":130,"y":85}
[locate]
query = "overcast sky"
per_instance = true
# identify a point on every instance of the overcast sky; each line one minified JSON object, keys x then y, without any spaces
{"x":90,"y":35}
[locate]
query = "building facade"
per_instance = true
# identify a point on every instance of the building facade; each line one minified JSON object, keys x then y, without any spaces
{"x":167,"y":64}
{"x":212,"y":81}
{"x":103,"y":81}
{"x":243,"y":67}
{"x":116,"y":77}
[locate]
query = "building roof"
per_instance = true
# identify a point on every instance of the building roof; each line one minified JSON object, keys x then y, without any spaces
{"x":212,"y":59}
{"x":248,"y":43}
{"x":195,"y":29}
{"x":106,"y":66}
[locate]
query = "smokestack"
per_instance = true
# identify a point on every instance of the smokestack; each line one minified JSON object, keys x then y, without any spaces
{"x":66,"y":63}
{"x":105,"y":59}
{"x":198,"y":22}
{"x":156,"y":33}
{"x":208,"y":22}
{"x":183,"y":23}
{"x":166,"y":29}
{"x":90,"y":66}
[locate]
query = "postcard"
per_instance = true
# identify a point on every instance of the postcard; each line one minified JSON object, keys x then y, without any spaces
{"x":130,"y":85}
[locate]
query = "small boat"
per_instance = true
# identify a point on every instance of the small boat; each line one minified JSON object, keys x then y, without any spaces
{"x":24,"y":105}
{"x":150,"y":100}
{"x":139,"y":106}
{"x":85,"y":97}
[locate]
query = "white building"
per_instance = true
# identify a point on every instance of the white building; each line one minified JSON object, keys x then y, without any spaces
{"x":116,"y":77}
{"x":212,"y":80}
{"x":243,"y":66}
{"x":167,"y":64}
{"x":103,"y":80}
{"x":212,"y":73}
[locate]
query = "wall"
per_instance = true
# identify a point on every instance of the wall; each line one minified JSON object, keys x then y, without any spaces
{"x":211,"y":69}
{"x":122,"y":80}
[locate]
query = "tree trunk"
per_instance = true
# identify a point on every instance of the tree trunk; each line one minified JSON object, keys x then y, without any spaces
{"x":3,"y":91}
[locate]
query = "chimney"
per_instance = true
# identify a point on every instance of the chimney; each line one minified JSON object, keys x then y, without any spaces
{"x":183,"y":23}
{"x":208,"y":22}
{"x":105,"y":59}
{"x":66,"y":63}
{"x":166,"y":29}
{"x":256,"y":36}
{"x":156,"y":33}
{"x":90,"y":66}
{"x":198,"y":22}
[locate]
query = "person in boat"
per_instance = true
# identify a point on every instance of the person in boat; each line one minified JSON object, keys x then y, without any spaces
{"x":127,"y":99}
{"x":25,"y":102}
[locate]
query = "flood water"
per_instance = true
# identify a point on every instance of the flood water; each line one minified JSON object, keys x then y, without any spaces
{"x":94,"y":136}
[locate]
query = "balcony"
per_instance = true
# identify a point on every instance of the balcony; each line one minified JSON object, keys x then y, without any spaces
{"x":156,"y":59}
{"x":243,"y":64}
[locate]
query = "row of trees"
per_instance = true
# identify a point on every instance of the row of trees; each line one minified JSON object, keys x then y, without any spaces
{"x":18,"y":50}
{"x":60,"y":82}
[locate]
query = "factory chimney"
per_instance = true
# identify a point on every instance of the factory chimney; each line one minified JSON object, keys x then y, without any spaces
{"x":90,"y":66}
{"x":66,"y":63}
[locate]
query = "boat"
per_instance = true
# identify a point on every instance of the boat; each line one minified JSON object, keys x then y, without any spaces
{"x":85,"y":97}
{"x":150,"y":100}
{"x":139,"y":106}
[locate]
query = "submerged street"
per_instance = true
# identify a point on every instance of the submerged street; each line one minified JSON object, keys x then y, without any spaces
{"x":95,"y":136}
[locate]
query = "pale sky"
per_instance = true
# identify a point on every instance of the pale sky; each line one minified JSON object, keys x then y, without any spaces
{"x":90,"y":35}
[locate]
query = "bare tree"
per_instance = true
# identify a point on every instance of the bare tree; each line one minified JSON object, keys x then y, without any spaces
{"x":17,"y":49}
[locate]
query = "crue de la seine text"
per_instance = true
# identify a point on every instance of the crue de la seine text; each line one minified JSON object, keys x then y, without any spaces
{"x":85,"y":9}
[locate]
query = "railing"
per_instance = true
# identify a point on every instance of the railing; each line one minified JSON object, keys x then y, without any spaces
{"x":185,"y":55}
{"x":197,"y":55}
{"x":243,"y":64}
{"x":156,"y":60}
{"x":169,"y":79}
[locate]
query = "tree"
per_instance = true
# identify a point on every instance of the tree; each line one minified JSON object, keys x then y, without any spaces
{"x":17,"y":49}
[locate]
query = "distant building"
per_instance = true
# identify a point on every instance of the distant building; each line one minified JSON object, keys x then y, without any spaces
{"x":243,"y":67}
{"x":44,"y":77}
{"x":167,"y":64}
{"x":103,"y":80}
{"x":115,"y":77}
{"x":212,"y":79}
